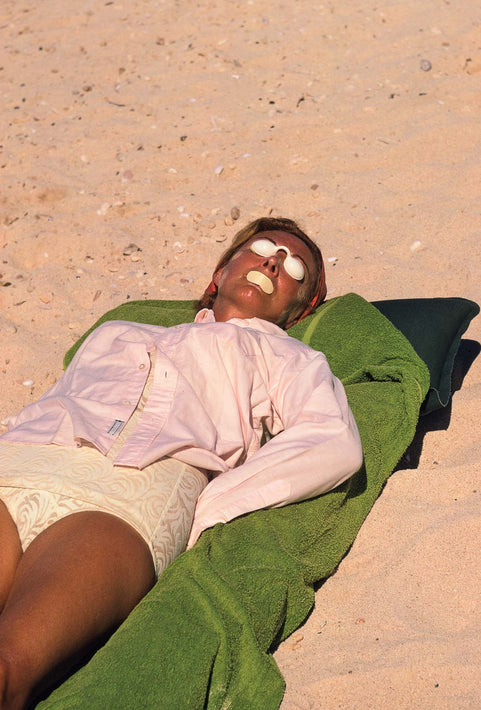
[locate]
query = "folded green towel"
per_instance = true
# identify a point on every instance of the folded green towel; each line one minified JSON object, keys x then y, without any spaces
{"x":202,"y":637}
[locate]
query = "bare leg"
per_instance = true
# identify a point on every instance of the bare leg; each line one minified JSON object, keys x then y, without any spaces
{"x":77,"y":581}
{"x":10,"y":552}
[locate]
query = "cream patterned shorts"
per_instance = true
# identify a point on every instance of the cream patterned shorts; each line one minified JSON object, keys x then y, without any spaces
{"x":41,"y":484}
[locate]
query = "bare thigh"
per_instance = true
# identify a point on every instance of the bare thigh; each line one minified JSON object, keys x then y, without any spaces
{"x":77,"y":581}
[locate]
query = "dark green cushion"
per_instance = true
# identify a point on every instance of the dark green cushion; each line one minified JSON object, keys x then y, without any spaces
{"x":434,"y":327}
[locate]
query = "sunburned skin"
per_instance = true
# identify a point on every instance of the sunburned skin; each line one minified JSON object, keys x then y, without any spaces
{"x":256,"y":277}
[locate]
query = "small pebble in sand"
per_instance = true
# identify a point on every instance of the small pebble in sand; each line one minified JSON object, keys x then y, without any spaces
{"x":218,"y":170}
{"x":425,"y":65}
{"x":415,"y":246}
{"x":235,"y":213}
{"x":228,"y":221}
{"x":130,"y":249}
{"x":27,"y":383}
{"x":103,"y":208}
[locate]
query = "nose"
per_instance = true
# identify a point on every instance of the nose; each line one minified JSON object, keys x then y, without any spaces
{"x":273,"y":263}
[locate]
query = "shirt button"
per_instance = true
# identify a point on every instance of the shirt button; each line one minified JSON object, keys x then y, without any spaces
{"x":142,"y":366}
{"x":126,"y":401}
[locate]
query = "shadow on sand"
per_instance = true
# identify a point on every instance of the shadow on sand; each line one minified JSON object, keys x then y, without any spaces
{"x":440,"y":418}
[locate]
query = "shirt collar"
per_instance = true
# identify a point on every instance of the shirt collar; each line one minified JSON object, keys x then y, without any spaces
{"x":206,"y":315}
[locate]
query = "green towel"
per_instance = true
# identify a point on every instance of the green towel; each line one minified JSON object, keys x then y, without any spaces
{"x":202,"y":637}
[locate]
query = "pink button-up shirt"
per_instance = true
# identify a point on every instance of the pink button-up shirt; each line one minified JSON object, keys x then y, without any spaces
{"x":218,"y":389}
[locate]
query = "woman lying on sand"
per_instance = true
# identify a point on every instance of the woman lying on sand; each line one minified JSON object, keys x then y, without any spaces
{"x":153,"y":435}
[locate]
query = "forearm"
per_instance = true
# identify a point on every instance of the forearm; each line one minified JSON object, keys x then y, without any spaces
{"x":299,"y":463}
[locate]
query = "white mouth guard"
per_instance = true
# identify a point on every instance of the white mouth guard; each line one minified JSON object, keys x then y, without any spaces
{"x":255,"y":277}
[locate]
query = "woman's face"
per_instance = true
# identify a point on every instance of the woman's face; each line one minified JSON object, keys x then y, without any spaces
{"x":254,"y":285}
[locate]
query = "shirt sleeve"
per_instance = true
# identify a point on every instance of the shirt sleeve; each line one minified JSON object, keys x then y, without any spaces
{"x":318,"y":448}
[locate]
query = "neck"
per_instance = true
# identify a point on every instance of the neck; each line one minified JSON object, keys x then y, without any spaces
{"x":225,"y":311}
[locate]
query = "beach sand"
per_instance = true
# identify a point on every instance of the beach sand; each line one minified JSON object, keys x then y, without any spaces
{"x":139,"y":136}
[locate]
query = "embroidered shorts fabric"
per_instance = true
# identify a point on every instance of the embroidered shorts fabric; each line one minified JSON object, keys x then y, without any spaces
{"x":41,"y":484}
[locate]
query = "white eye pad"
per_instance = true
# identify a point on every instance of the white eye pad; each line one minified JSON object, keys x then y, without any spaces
{"x":293,"y":266}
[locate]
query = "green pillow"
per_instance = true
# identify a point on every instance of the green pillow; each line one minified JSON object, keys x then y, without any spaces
{"x":433,"y":326}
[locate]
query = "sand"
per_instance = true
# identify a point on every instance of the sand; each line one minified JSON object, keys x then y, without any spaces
{"x":135,"y":133}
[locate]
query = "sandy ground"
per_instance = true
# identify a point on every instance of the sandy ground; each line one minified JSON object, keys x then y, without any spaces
{"x":130,"y":132}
